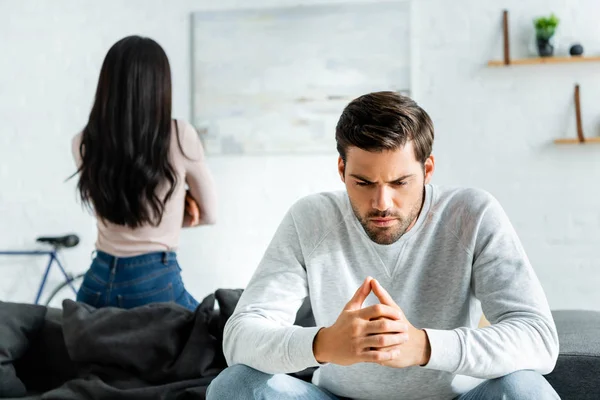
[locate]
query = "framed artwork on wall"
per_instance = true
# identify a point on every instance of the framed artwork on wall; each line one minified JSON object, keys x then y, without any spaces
{"x":274,"y":81}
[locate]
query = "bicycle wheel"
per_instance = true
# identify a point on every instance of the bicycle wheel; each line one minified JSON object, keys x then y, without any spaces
{"x":64,"y":291}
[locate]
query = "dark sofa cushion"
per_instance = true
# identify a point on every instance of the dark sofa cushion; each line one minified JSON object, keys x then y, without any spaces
{"x":20,"y":323}
{"x":577,"y":371}
{"x":46,"y":364}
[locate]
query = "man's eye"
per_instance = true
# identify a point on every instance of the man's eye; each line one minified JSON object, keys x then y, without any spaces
{"x":363,"y":183}
{"x":400,"y":183}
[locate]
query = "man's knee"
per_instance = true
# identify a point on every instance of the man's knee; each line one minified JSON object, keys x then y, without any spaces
{"x":524,"y":385}
{"x":234,"y":381}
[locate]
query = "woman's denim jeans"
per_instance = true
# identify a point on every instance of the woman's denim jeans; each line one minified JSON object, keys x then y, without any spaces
{"x":128,"y":282}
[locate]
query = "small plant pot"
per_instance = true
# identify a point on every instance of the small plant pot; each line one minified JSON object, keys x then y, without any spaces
{"x":545,"y":47}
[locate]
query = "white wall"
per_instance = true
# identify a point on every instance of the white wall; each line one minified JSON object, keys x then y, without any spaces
{"x":494,"y":130}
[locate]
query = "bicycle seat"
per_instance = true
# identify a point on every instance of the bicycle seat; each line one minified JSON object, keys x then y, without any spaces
{"x":60,"y":241}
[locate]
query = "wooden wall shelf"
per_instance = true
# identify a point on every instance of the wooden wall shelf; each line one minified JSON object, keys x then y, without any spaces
{"x":543,"y":60}
{"x":577,"y":141}
{"x":507,"y":61}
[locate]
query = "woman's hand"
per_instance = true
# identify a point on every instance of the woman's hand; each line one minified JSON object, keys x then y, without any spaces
{"x":191,"y":215}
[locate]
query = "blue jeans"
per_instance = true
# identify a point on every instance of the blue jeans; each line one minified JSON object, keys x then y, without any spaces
{"x":128,"y":282}
{"x":242,"y":382}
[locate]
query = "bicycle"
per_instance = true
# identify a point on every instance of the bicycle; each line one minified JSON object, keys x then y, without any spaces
{"x":57,"y":243}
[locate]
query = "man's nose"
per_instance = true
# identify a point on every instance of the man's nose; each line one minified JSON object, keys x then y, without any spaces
{"x":382,"y":199}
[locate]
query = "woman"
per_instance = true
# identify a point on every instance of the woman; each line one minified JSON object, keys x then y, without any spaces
{"x":134,"y":162}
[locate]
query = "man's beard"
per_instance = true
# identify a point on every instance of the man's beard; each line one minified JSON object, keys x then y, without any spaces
{"x":389,"y":235}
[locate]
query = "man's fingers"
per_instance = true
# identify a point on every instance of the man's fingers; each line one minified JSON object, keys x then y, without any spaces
{"x":378,"y":356}
{"x":359,"y":297}
{"x":397,"y":348}
{"x":382,"y":294}
{"x":375,"y":342}
{"x":380,"y":310}
{"x":385,"y":325}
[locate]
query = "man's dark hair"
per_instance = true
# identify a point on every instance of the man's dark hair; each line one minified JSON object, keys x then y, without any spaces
{"x":384,"y":121}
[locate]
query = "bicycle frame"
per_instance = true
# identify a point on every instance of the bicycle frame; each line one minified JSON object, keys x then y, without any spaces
{"x":53,"y":257}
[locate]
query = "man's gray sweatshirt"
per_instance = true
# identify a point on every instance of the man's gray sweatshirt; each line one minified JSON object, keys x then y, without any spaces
{"x":462,"y":256}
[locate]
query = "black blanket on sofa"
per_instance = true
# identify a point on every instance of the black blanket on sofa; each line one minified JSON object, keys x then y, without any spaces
{"x":150,"y":352}
{"x":158,"y":351}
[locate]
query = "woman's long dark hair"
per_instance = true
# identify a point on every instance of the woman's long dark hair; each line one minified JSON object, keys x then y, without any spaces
{"x":126,"y":142}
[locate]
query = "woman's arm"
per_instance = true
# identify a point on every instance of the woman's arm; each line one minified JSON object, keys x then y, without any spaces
{"x":198,"y":177}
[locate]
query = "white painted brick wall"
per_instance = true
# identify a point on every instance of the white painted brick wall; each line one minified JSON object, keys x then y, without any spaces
{"x":494,"y":130}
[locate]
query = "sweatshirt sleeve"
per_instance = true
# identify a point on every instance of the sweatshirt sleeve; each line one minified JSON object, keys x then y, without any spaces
{"x":522,"y":334}
{"x":198,"y":176}
{"x":260,"y":333}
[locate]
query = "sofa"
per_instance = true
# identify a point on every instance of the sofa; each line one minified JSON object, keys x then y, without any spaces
{"x":43,"y":363}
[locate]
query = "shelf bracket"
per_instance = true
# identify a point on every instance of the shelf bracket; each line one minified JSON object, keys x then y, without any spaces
{"x":506,"y":40}
{"x":578,"y":115}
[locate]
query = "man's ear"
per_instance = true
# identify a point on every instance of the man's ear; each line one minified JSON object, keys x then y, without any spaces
{"x":429,"y":167}
{"x":342,"y":169}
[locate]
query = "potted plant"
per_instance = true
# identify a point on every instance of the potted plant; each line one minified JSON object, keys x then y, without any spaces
{"x":545,"y":27}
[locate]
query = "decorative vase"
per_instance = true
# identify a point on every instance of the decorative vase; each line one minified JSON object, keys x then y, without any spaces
{"x":576,"y":50}
{"x":545,"y":48}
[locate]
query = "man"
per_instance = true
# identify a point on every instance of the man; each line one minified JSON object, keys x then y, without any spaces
{"x":396,"y":270}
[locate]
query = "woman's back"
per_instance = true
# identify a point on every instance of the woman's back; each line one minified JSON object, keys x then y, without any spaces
{"x":189,"y":165}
